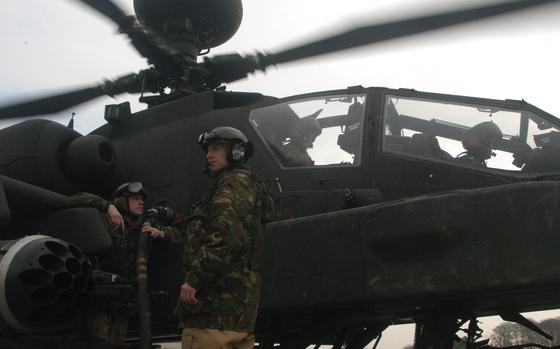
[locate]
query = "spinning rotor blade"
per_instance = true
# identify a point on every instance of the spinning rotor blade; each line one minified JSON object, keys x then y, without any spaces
{"x":51,"y":104}
{"x":383,"y":32}
{"x":110,"y":10}
{"x":56,"y":103}
{"x":228,"y":68}
{"x":148,"y":44}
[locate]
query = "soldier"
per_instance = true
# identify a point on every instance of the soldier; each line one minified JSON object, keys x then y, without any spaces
{"x":293,"y":151}
{"x":123,"y":218}
{"x":219,"y":299}
{"x":478,"y":142}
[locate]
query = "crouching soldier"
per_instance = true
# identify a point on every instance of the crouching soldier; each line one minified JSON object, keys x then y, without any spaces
{"x":108,"y":321}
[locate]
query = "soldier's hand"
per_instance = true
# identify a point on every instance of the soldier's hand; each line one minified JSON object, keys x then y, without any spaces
{"x":188,"y":294}
{"x":154,"y":232}
{"x":115,"y":216}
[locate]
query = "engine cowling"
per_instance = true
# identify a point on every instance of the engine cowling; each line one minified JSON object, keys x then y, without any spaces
{"x":43,"y":284}
{"x":89,"y":158}
{"x":54,"y":157}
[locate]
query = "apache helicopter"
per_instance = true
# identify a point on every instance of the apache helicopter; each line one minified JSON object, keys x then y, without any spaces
{"x":403,"y":229}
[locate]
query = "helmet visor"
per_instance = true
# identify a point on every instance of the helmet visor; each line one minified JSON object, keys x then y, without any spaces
{"x":208,"y":137}
{"x":135,"y":188}
{"x":130,"y":188}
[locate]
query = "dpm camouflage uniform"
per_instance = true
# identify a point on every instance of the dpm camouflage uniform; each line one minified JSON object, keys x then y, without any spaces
{"x":121,"y":259}
{"x":223,"y":246}
{"x":109,"y":320}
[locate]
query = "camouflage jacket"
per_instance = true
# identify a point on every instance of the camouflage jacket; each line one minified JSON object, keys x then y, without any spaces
{"x":293,"y":156}
{"x":223,"y":247}
{"x":121,"y":259}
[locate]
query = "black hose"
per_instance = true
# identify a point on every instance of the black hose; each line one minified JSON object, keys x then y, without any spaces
{"x":143,"y":291}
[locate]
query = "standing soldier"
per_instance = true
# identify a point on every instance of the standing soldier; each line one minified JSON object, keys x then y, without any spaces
{"x":109,"y":321}
{"x":219,"y":299}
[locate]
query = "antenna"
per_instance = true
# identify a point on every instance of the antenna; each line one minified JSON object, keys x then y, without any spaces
{"x":71,"y":122}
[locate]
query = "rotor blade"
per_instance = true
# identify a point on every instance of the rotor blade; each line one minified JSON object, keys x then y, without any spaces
{"x":388,"y":31}
{"x":132,"y":83}
{"x":51,"y":104}
{"x":232,"y":67}
{"x":110,"y":10}
{"x":148,"y":44}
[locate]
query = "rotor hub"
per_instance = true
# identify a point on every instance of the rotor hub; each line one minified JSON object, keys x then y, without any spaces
{"x":205,"y":24}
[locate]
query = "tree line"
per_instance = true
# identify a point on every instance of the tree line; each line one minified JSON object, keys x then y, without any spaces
{"x":510,"y":333}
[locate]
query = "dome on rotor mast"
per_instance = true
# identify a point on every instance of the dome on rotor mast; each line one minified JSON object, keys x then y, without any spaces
{"x":209,"y":23}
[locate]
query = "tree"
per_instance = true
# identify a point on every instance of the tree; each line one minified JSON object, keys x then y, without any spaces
{"x":509,"y":333}
{"x":552,"y":327}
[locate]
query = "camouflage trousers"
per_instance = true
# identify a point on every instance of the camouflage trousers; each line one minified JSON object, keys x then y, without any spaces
{"x":198,"y":338}
{"x":111,"y":327}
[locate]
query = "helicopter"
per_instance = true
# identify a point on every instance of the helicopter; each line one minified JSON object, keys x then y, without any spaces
{"x":343,"y":203}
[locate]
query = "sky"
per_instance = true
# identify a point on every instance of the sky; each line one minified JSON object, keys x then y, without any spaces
{"x":50,"y":46}
{"x":57,"y":45}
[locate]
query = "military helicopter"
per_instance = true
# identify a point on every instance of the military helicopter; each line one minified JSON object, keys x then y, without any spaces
{"x":404,"y":231}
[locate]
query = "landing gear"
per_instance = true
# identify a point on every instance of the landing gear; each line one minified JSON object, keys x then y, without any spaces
{"x":438,"y":330}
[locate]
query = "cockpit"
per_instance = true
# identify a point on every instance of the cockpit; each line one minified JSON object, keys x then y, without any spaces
{"x":313,"y":132}
{"x":510,"y":136}
{"x":473,"y":135}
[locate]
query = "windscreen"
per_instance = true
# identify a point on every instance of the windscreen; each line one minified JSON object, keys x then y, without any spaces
{"x":311,"y":132}
{"x":471,"y":135}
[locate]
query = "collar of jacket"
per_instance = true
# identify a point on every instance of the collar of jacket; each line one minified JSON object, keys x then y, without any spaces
{"x":228,"y":169}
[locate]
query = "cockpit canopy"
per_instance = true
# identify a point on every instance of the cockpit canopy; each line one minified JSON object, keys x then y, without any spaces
{"x":488,"y":135}
{"x":516,"y":140}
{"x":313,"y":131}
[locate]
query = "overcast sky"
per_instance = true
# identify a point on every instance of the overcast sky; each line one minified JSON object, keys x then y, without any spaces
{"x":49,"y":46}
{"x":52,"y":45}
